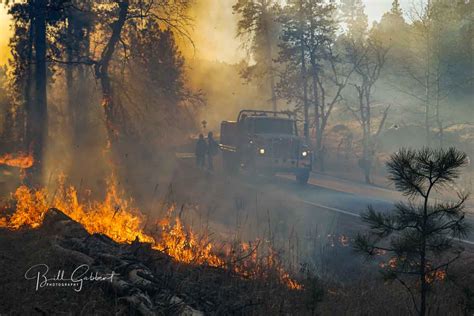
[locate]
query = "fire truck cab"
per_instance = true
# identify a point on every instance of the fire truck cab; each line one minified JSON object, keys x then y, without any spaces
{"x":265,"y":142}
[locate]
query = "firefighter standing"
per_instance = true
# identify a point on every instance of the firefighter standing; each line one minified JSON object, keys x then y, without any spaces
{"x":201,"y":150}
{"x":212,"y":150}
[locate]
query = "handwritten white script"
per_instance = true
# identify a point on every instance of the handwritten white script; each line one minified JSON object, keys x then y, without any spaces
{"x":76,"y":279}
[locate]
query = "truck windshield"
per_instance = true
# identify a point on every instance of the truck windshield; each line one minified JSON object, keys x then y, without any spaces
{"x":274,"y":126}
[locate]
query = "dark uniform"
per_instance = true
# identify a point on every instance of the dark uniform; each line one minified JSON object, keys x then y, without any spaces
{"x":201,"y":150}
{"x":212,"y":150}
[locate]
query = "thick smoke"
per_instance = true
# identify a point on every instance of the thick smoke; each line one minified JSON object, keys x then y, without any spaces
{"x":214,"y":63}
{"x":213,"y":32}
{"x":4,"y":35}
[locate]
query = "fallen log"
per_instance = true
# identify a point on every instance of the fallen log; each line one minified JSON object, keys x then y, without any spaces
{"x":134,"y":284}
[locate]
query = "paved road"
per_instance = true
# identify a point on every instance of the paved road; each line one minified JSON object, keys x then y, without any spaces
{"x":348,"y":198}
{"x":327,"y":194}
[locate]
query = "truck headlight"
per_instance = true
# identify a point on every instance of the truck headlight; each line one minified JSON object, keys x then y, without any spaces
{"x":304,"y":154}
{"x":261,"y":151}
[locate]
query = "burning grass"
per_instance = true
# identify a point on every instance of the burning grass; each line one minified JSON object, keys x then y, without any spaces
{"x":117,"y":218}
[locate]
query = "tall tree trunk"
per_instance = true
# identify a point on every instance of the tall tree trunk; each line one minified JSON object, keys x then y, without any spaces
{"x":423,"y":283}
{"x":317,"y":116}
{"x":304,"y":76}
{"x":69,"y":70}
{"x":29,"y":75}
{"x":37,"y":125}
{"x":269,"y":53}
{"x":427,"y":111}
{"x":366,"y":160}
{"x":272,"y":85}
{"x":80,"y":94}
{"x":305,"y":96}
{"x":369,"y":142}
{"x":112,"y":115}
{"x":75,"y":86}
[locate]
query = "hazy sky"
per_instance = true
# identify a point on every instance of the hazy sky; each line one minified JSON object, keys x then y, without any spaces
{"x":376,"y":8}
{"x":214,"y":38}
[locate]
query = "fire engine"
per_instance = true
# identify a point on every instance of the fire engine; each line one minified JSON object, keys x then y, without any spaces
{"x":265,"y":142}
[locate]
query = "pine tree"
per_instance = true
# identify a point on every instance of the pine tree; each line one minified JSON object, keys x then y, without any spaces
{"x":396,"y":9}
{"x":31,"y":22}
{"x":312,"y":75}
{"x":353,"y":15}
{"x":258,"y":25}
{"x":419,"y":235}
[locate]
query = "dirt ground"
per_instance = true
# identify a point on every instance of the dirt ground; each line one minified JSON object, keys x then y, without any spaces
{"x":23,"y":249}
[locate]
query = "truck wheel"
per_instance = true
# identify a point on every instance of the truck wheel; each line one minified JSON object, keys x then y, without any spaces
{"x":302,"y":177}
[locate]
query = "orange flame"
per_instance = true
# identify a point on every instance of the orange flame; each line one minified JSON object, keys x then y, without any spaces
{"x":260,"y":261}
{"x":184,"y":246}
{"x":117,"y":218}
{"x":21,"y":160}
{"x":430,"y":277}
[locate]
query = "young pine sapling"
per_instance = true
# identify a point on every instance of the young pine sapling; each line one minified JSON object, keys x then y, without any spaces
{"x":421,"y":236}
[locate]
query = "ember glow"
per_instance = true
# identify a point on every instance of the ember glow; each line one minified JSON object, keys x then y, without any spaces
{"x":21,"y":160}
{"x":432,"y":275}
{"x":261,"y":261}
{"x":116,"y":217}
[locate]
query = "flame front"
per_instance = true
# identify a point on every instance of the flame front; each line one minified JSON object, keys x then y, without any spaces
{"x":21,"y":160}
{"x":118,"y":219}
{"x":260,"y":262}
{"x":184,"y":246}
